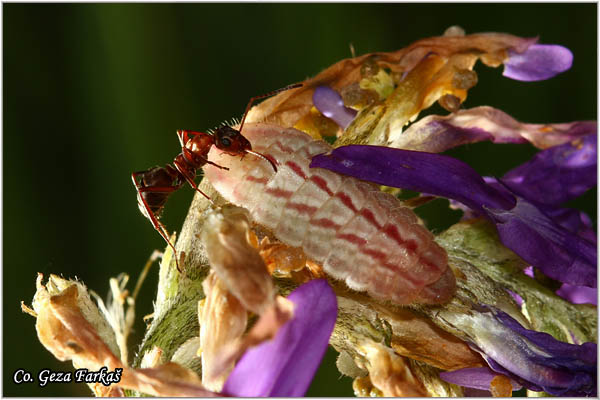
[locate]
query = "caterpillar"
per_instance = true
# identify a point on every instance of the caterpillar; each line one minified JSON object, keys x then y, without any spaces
{"x":358,"y":233}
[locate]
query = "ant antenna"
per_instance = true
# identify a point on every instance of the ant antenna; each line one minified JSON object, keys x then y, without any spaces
{"x":263,"y":157}
{"x":253,"y":99}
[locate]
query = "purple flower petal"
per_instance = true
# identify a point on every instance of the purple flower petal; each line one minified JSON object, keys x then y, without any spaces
{"x":436,"y":133}
{"x":522,"y":227}
{"x":556,"y":367}
{"x":580,"y":226}
{"x":535,"y":360}
{"x":516,"y":297}
{"x":541,"y":242}
{"x":578,"y":294}
{"x":558,"y":174}
{"x":419,"y":171}
{"x":285,"y":365}
{"x":331,"y":105}
{"x":477,"y":378}
{"x":553,"y":176}
{"x":574,"y":221}
{"x":538,"y":62}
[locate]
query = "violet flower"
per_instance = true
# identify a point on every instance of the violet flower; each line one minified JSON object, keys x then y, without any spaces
{"x":537,"y":239}
{"x":516,"y":297}
{"x":558,"y":174}
{"x":331,"y":105}
{"x":533,"y":359}
{"x":558,"y":368}
{"x":522,"y":227}
{"x":538,"y":62}
{"x":578,"y":294}
{"x":476,"y":378}
{"x":285,"y":365}
{"x":552,"y":177}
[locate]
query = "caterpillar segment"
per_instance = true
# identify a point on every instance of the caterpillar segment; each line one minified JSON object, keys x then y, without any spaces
{"x":359,"y":234}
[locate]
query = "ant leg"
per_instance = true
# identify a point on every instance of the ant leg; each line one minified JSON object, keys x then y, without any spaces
{"x":183,"y":136}
{"x":262,"y":96}
{"x":190,"y":180}
{"x":216,"y":165}
{"x":196,"y":188}
{"x":158,"y":226}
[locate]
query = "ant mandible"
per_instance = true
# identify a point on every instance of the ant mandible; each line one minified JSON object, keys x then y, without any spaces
{"x":156,"y":184}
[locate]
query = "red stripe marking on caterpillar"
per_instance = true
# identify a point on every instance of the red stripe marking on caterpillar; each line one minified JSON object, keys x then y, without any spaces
{"x":356,"y":232}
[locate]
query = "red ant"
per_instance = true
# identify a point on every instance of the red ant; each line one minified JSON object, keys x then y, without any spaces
{"x":156,"y":184}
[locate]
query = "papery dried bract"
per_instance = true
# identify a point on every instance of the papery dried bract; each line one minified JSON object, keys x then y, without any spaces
{"x":63,"y":328}
{"x":66,"y":333}
{"x":166,"y":380}
{"x":426,"y":83}
{"x":436,"y":133}
{"x":235,"y":261}
{"x":55,"y":286}
{"x":289,"y":107}
{"x":363,"y":387}
{"x":416,"y":337}
{"x":267,"y":326}
{"x":222,"y":321}
{"x":391,"y":373}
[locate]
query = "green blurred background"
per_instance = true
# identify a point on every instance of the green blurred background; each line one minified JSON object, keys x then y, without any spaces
{"x":93,"y":92}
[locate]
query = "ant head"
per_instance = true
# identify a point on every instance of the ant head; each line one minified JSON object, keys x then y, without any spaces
{"x":231,"y":141}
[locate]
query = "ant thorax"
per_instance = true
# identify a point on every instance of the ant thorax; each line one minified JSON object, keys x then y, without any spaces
{"x":196,"y":150}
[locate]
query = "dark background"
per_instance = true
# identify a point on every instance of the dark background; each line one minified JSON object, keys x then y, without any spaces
{"x":93,"y":92}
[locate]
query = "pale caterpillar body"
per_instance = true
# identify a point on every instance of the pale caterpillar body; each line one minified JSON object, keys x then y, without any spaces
{"x":358,"y":233}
